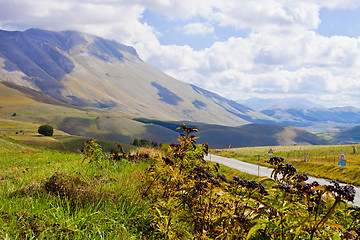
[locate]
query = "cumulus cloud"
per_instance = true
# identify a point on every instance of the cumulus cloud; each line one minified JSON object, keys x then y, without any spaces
{"x":310,"y":65}
{"x":197,"y":28}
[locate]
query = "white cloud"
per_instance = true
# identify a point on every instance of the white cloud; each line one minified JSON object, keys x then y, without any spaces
{"x":185,"y":9}
{"x":268,"y":15}
{"x":197,"y":29}
{"x":310,"y":65}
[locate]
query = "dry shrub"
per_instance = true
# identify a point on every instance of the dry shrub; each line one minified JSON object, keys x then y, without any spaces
{"x":77,"y":191}
{"x":144,"y":153}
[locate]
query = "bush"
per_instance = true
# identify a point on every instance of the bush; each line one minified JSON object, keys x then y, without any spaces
{"x":46,"y":130}
{"x":142,"y":142}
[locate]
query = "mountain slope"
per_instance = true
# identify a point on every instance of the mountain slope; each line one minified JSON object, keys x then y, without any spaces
{"x":29,"y":106}
{"x":347,"y":136}
{"x":247,"y":135}
{"x":316,"y":119}
{"x":88,"y":71}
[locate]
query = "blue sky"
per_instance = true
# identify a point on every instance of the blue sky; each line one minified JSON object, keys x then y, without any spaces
{"x":344,"y":22}
{"x":236,"y":48}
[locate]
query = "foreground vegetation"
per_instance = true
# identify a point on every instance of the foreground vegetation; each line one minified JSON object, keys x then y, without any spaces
{"x":47,"y":194}
{"x":318,"y":161}
{"x":193,"y":200}
{"x":163,"y":193}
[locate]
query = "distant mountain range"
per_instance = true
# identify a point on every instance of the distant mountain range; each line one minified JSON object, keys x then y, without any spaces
{"x":263,"y":103}
{"x":89,"y":86}
{"x":316,"y":119}
{"x":341,"y":121}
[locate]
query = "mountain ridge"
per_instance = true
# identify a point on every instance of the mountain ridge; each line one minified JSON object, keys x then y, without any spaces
{"x":88,"y":71}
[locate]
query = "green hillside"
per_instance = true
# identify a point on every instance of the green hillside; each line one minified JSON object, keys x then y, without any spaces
{"x":218,"y":136}
{"x":349,"y":136}
{"x":22,"y":109}
{"x":25,"y":106}
{"x":319,"y":161}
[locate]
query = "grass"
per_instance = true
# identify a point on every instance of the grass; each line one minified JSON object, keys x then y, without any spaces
{"x":23,"y":111}
{"x":26,"y":133}
{"x":47,"y":194}
{"x":316,"y":160}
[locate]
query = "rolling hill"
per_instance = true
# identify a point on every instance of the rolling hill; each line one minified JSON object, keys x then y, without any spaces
{"x":219,"y":136}
{"x":347,"y":136}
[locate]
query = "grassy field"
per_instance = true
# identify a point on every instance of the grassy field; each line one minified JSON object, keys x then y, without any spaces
{"x":27,"y":133}
{"x":99,"y":201}
{"x":317,"y":160}
{"x":49,"y":194}
{"x":30,"y":107}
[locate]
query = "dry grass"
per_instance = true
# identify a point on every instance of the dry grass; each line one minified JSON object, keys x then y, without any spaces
{"x":315,"y":160}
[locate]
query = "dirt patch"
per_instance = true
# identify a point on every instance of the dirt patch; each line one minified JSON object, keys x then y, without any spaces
{"x":29,"y":150}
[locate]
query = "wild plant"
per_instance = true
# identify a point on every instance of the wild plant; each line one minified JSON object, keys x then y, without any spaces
{"x":191,"y":199}
{"x":93,"y":152}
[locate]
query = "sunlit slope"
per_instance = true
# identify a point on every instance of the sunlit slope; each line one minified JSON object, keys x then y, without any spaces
{"x":24,"y":110}
{"x":85,"y":70}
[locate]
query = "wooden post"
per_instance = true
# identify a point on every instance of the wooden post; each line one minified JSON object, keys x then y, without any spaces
{"x":355,"y":149}
{"x":258,"y":165}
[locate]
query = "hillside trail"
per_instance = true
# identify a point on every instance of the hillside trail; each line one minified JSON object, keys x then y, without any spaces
{"x":266,"y":172}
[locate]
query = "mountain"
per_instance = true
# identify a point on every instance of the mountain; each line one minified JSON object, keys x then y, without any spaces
{"x":262,"y":103}
{"x":316,"y":119}
{"x":347,"y":136}
{"x":88,"y":71}
{"x":89,"y":86}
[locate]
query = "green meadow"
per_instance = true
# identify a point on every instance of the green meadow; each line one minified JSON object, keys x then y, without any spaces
{"x":47,"y":194}
{"x":316,"y":160}
{"x":56,"y":194}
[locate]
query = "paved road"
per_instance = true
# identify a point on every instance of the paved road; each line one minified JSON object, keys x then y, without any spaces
{"x":264,"y":171}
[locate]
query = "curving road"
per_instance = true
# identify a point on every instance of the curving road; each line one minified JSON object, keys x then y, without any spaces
{"x":264,"y":171}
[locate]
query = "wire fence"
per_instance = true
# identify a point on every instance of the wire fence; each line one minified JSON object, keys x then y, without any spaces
{"x":330,"y":155}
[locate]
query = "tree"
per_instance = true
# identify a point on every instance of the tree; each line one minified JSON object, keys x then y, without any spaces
{"x":137,"y":142}
{"x":46,"y":130}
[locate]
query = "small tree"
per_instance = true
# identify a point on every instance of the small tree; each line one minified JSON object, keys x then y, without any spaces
{"x":46,"y":130}
{"x":137,"y":142}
